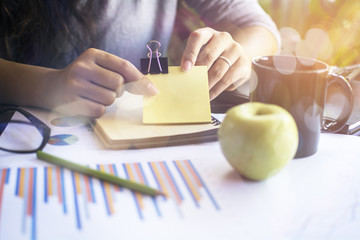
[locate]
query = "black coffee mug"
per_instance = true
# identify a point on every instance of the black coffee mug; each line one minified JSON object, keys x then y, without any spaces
{"x":300,"y":85}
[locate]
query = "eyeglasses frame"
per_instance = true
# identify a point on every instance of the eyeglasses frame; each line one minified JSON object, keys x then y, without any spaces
{"x":42,"y":127}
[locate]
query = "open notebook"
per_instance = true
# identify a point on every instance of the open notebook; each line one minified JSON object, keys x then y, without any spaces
{"x":122,"y":127}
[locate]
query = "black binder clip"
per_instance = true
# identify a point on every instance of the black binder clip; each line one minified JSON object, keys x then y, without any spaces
{"x":154,"y":65}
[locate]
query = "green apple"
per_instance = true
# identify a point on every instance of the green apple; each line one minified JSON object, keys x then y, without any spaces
{"x":258,"y":139}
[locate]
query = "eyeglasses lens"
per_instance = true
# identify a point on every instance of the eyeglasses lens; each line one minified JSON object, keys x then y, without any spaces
{"x":17,"y":133}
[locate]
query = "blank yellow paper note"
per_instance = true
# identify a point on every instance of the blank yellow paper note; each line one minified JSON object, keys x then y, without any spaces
{"x":183,"y":97}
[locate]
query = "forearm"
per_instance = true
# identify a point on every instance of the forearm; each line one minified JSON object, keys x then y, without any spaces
{"x":255,"y":40}
{"x":25,"y":85}
{"x":84,"y":87}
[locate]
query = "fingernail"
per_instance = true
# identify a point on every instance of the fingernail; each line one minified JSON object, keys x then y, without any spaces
{"x":186,"y":65}
{"x":120,"y":91}
{"x":152,"y":89}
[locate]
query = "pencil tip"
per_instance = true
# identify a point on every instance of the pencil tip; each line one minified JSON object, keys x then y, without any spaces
{"x":159,"y":193}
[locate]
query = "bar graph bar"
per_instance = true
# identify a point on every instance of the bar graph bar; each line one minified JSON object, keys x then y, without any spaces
{"x":72,"y":195}
{"x":4,"y":179}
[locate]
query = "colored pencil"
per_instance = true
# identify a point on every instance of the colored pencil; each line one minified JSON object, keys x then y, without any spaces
{"x":138,"y":187}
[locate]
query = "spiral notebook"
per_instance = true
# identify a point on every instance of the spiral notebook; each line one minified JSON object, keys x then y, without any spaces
{"x":122,"y":127}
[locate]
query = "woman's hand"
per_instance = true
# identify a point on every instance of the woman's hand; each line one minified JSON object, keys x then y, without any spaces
{"x":228,"y":67}
{"x":93,"y":81}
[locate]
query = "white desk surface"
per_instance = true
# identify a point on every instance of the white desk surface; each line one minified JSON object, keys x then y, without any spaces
{"x":312,"y":198}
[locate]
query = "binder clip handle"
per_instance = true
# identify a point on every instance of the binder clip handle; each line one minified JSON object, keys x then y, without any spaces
{"x":148,"y":65}
{"x":158,"y":54}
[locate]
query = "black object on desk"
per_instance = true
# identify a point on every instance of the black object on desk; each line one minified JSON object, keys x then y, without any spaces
{"x":352,"y":126}
{"x":352,"y":74}
{"x":226,"y":100}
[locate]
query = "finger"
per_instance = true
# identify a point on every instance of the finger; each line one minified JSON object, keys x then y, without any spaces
{"x":219,"y":43}
{"x":219,"y":69}
{"x":116,"y":82}
{"x":104,"y":77}
{"x":237,"y":74}
{"x":143,"y":86}
{"x":224,"y":63}
{"x":120,"y":91}
{"x":237,"y":84}
{"x":123,"y":67}
{"x":197,"y":39}
{"x":83,"y":107}
{"x":96,"y":93}
{"x":115,"y":64}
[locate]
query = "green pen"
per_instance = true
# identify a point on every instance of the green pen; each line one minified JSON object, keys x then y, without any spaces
{"x":141,"y":188}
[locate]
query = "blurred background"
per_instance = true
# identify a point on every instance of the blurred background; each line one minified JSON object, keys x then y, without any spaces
{"x":328,"y":30}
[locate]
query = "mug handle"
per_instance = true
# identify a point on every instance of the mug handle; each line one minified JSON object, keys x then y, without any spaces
{"x":337,"y":124}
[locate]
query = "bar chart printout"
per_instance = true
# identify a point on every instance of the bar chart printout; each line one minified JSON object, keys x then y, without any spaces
{"x":39,"y":200}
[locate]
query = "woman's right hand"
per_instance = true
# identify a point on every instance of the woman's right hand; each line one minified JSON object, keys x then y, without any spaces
{"x":93,"y":81}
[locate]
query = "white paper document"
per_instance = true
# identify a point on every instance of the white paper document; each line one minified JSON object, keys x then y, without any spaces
{"x":312,"y":198}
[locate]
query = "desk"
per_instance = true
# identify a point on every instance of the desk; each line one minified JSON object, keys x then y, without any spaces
{"x":312,"y":198}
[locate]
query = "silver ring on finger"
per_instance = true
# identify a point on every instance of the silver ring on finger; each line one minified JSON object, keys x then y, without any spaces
{"x":226,"y":60}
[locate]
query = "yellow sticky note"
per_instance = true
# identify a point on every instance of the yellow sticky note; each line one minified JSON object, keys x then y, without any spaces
{"x":183,"y":97}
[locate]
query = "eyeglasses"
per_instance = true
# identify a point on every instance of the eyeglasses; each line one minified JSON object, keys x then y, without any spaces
{"x":22,"y":132}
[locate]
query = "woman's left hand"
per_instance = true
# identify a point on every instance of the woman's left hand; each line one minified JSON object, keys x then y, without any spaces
{"x":228,"y":67}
